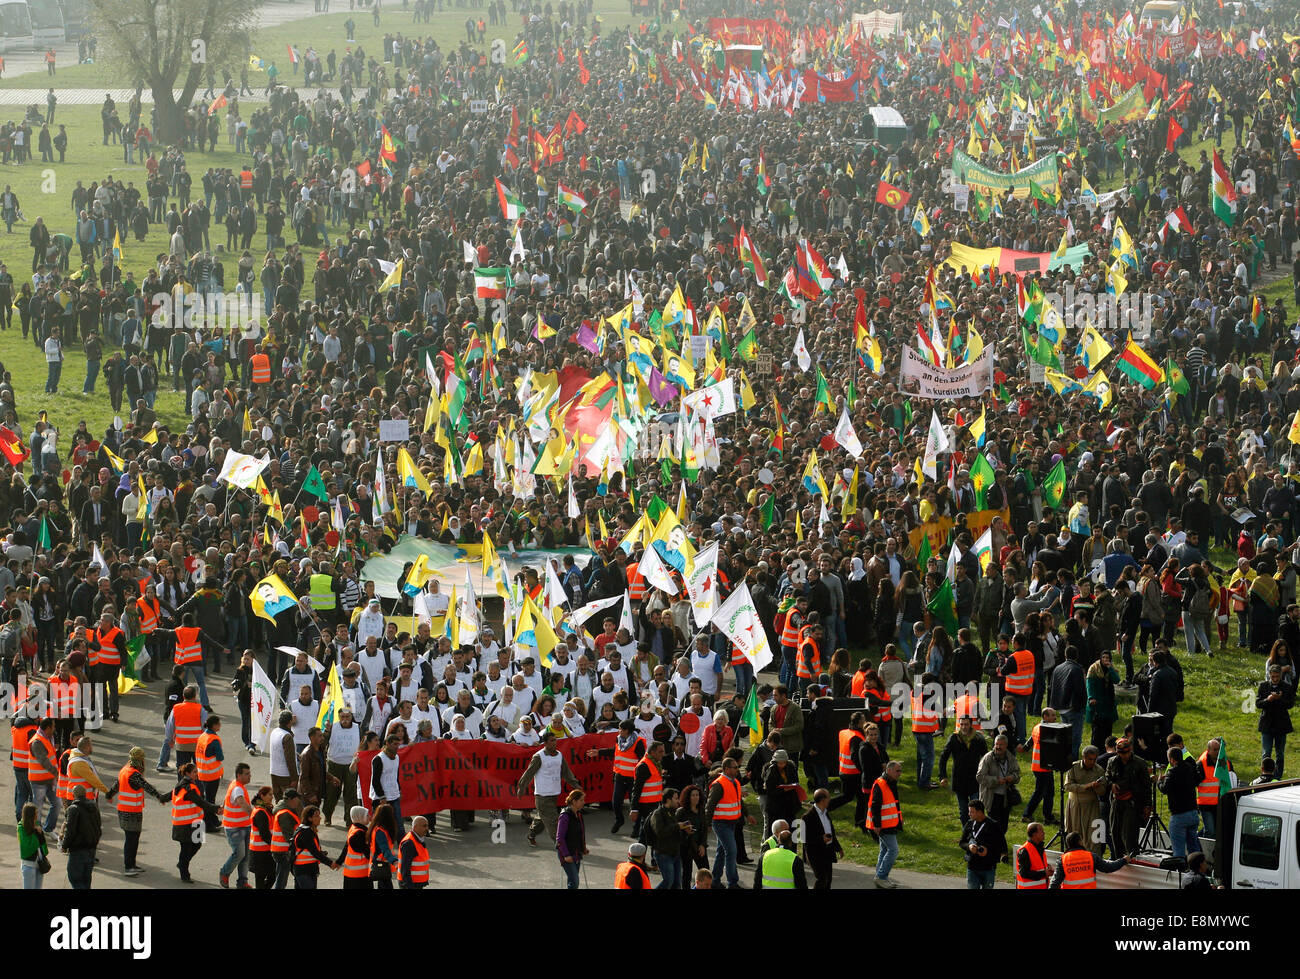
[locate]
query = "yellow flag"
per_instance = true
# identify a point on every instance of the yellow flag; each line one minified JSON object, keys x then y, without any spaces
{"x":1294,"y":434}
{"x":798,"y":527}
{"x":394,"y":278}
{"x":747,"y":399}
{"x":410,"y":474}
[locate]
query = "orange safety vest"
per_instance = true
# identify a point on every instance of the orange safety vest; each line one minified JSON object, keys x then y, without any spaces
{"x":246,"y":179}
{"x":809,"y":665}
{"x":636,"y":586}
{"x":1080,"y":873}
{"x":420,"y":865}
{"x":653,"y":789}
{"x":188,"y":648}
{"x":376,"y":852}
{"x":210,"y":768}
{"x":278,"y":843}
{"x":63,"y":697}
{"x":890,"y":814}
{"x":790,"y":631}
{"x":232,"y":818}
{"x":1036,"y":764}
{"x":128,"y":799}
{"x":184,"y":812}
{"x":261,"y":364}
{"x":968,"y":706}
{"x":1036,"y":862}
{"x":305,"y":858}
{"x":849,"y":752}
{"x":923,"y":721}
{"x":355,"y":864}
{"x":108,"y":654}
{"x":257,"y":843}
{"x":63,"y":789}
{"x":625,"y":870}
{"x":35,"y":771}
{"x":728,"y":806}
{"x":189,"y":725}
{"x":20,"y":739}
{"x":884,"y":713}
{"x":625,"y":761}
{"x":148,"y":614}
{"x":859,"y":685}
{"x":1020,"y":683}
{"x":1207,"y":793}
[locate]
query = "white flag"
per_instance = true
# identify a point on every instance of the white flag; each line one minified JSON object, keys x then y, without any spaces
{"x":467,"y":612}
{"x":433,"y":377}
{"x":242,"y":470}
{"x":713,"y":401}
{"x":984,"y":548}
{"x":471,"y":256}
{"x":519,"y":248}
{"x":656,"y":575}
{"x":738,"y":619}
{"x":554,"y":595}
{"x":702,"y":583}
{"x":801,"y":353}
{"x":936,"y":441}
{"x":584,"y":613}
{"x":574,"y":510}
{"x":846,"y":436}
{"x":97,"y":559}
{"x":264,"y":701}
{"x":951,"y":572}
{"x":625,"y":617}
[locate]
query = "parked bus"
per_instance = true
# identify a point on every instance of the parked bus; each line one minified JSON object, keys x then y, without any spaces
{"x":15,"y":27}
{"x":47,"y":22}
{"x":76,"y":18}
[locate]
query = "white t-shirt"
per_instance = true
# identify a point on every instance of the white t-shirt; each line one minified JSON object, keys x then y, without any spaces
{"x":304,"y":719}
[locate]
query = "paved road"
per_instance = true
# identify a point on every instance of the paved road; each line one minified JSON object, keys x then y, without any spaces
{"x":458,"y":860}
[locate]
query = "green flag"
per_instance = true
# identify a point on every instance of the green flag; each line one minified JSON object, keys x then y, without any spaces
{"x":750,"y":717}
{"x":314,"y":485}
{"x":769,"y":512}
{"x":823,"y":392}
{"x":851,"y":394}
{"x":133,"y":647}
{"x":944,"y":607}
{"x":1221,"y":768}
{"x":655,"y":508}
{"x":747,"y":349}
{"x":923,"y":553}
{"x":43,"y":536}
{"x":981,"y":477}
{"x":1054,"y":485}
{"x":1177,"y":379}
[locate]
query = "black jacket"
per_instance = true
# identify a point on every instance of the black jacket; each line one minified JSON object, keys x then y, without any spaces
{"x":987,"y":834}
{"x":82,"y":829}
{"x":1274,"y":716}
{"x":965,"y":760}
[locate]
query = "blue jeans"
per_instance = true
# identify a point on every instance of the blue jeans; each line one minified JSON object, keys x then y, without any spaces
{"x":670,"y":866}
{"x":197,"y":670}
{"x":32,"y":878}
{"x":837,"y":632}
{"x":786,"y":673}
{"x":1182,"y":832}
{"x":1022,"y":731}
{"x":41,"y":792}
{"x":571,"y":872}
{"x":52,"y":379}
{"x":238,"y":840}
{"x":888,"y":854}
{"x":81,"y":864}
{"x":22,"y":794}
{"x":924,"y":757}
{"x":92,"y":371}
{"x":1274,"y":745}
{"x":963,"y":800}
{"x":906,"y":641}
{"x":744,"y":674}
{"x":980,"y":880}
{"x":1194,"y":632}
{"x":237,"y":633}
{"x":724,"y":831}
{"x":165,"y":754}
{"x":1074,"y":718}
{"x":1207,"y":819}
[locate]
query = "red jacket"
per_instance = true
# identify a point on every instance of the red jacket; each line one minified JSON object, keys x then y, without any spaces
{"x":710,"y":750}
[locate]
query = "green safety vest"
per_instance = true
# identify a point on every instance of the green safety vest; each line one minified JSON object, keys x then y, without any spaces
{"x":322,"y":593}
{"x":778,"y":869}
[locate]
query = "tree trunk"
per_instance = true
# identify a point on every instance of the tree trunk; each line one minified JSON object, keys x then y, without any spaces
{"x":171,"y":121}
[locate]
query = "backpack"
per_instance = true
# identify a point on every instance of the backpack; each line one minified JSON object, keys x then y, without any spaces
{"x":1200,"y":603}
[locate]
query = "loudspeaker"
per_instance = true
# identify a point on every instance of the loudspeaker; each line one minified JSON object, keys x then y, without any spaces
{"x":1054,"y":744}
{"x":1149,"y":734}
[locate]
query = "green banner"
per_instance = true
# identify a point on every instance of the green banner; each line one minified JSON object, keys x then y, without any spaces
{"x":1042,"y":172}
{"x":1131,"y":106}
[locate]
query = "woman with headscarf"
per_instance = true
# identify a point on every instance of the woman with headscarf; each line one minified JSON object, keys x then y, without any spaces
{"x":130,"y":790}
{"x":857,"y":606}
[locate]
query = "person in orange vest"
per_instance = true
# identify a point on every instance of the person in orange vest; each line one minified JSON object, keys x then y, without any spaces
{"x":1044,"y":787}
{"x":859,"y":683}
{"x":185,"y":726}
{"x":190,"y":812}
{"x":130,"y":790}
{"x":726,"y":808}
{"x":1031,"y":860}
{"x":49,"y":61}
{"x":237,"y":821}
{"x":1207,"y":793}
{"x":629,"y":749}
{"x":413,"y":870}
{"x":21,"y":729}
{"x":190,"y":641}
{"x":1018,"y":681}
{"x":927,"y":719}
{"x":209,"y":758}
{"x":789,"y":629}
{"x":647,"y":786}
{"x":43,"y":771}
{"x":850,"y":774}
{"x":261,"y":368}
{"x":107,"y":648}
{"x":306,"y":852}
{"x":885,"y":821}
{"x":808,"y":665}
{"x":631,"y":875}
{"x":356,"y":851}
{"x":1078,"y":868}
{"x":284,"y":823}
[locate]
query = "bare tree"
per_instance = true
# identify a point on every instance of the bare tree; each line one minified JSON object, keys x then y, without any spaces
{"x":169,"y":44}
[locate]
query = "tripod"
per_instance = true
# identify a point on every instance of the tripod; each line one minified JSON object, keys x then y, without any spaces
{"x":1155,"y":824}
{"x":1060,"y":832}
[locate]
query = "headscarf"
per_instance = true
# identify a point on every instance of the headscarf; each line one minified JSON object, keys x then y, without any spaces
{"x":858,"y":572}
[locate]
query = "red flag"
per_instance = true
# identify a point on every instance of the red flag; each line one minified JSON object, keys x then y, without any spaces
{"x":574,"y":126}
{"x":892,"y":196}
{"x":1175,"y":131}
{"x":559,"y":54}
{"x":584,"y":75}
{"x":12,"y":447}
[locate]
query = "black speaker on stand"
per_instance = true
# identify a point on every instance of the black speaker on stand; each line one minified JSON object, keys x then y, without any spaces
{"x":1150,"y":732}
{"x":1054,"y":744}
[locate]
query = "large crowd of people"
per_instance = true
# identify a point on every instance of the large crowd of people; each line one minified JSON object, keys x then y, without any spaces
{"x":543,"y":267}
